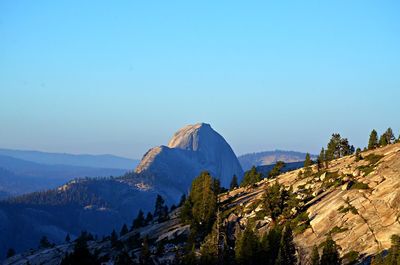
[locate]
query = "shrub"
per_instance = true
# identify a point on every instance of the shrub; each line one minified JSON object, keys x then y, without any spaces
{"x":337,"y":230}
{"x":351,"y":257}
{"x":300,"y":223}
{"x":359,"y":186}
{"x":373,"y":158}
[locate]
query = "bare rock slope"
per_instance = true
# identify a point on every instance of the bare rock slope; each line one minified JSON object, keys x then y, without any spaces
{"x":192,"y":149}
{"x":357,"y":202}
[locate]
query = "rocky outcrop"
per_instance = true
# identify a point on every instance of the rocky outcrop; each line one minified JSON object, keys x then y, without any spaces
{"x":373,"y":215}
{"x":359,"y":206}
{"x":192,"y":149}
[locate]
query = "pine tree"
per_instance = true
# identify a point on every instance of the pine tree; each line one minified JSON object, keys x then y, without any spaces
{"x":123,"y":258}
{"x":159,"y":206}
{"x":333,"y":148}
{"x":338,"y":147}
{"x":182,"y":200}
{"x":201,"y":206}
{"x":358,"y":155}
{"x":307,"y":161}
{"x":164,"y":214}
{"x":321,"y":159}
{"x":351,"y":150}
{"x":277,"y":169}
{"x":85,"y":236}
{"x":145,"y":254}
{"x":330,"y":254}
{"x":378,"y":259}
{"x":215,"y":249}
{"x":389,"y":136}
{"x":160,"y":210}
{"x":81,"y":254}
{"x":67,"y":238}
{"x":139,"y":221}
{"x":373,"y":140}
{"x":209,"y":248}
{"x":345,"y":148}
{"x":247,"y":247}
{"x":315,"y":256}
{"x":383,"y":140}
{"x":149,"y":218}
{"x":273,"y":200}
{"x":307,"y":166}
{"x":250,"y":177}
{"x":124,"y":230}
{"x":45,"y":243}
{"x":186,"y":214}
{"x":393,"y":256}
{"x":216,"y":186}
{"x":264,"y":248}
{"x":287,"y":251}
{"x":274,"y":237}
{"x":10,"y":253}
{"x":113,"y":237}
{"x":234,"y":183}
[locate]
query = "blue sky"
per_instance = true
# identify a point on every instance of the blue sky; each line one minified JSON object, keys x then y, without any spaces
{"x":122,"y":76}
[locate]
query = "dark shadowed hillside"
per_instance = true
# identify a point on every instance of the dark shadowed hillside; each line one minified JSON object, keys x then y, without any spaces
{"x":19,"y":176}
{"x":96,"y":205}
{"x":84,"y":160}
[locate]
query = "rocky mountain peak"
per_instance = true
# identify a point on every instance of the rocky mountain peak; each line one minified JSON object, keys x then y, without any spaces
{"x":191,"y":136}
{"x":192,"y":149}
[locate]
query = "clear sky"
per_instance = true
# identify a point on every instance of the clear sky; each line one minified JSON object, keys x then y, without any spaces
{"x":122,"y":76}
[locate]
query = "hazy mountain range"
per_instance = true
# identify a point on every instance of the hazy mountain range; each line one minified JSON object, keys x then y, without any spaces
{"x":28,"y":171}
{"x":270,"y":158}
{"x":81,"y":160}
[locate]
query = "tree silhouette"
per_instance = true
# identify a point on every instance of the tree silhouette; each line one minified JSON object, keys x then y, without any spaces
{"x":373,"y":140}
{"x":330,"y":254}
{"x":234,"y":183}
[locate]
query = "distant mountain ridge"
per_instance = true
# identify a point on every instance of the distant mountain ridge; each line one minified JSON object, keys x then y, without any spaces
{"x":287,"y":167}
{"x":271,"y":157}
{"x":28,"y":171}
{"x":83,"y":160}
{"x":19,"y":176}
